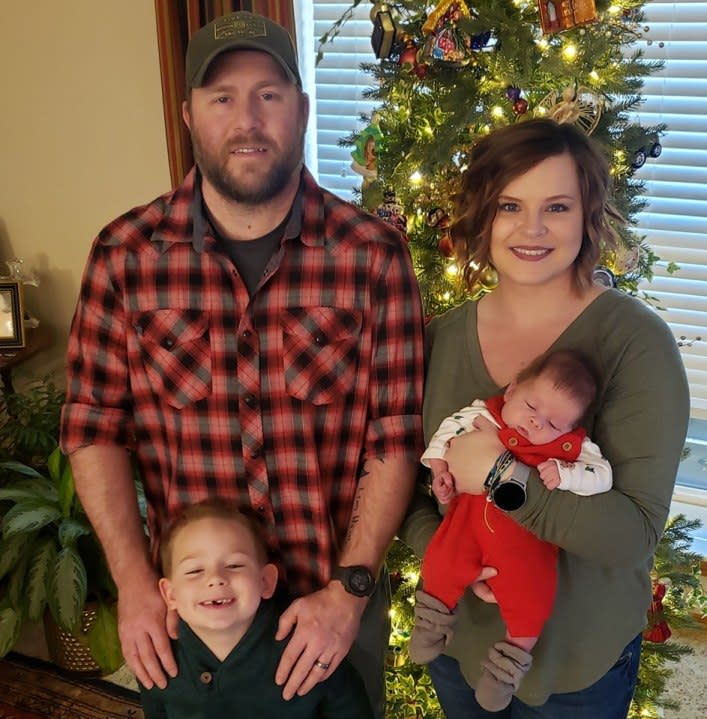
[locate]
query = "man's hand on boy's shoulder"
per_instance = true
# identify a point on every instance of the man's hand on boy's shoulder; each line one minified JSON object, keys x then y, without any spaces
{"x":142,"y":627}
{"x":325,"y":624}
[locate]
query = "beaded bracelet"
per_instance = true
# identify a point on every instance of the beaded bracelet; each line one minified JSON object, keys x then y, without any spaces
{"x":502,"y":463}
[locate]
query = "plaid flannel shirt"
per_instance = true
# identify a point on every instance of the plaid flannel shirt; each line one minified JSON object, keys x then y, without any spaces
{"x":273,"y":400}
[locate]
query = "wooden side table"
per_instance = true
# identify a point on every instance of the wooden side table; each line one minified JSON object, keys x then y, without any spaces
{"x":36,"y":340}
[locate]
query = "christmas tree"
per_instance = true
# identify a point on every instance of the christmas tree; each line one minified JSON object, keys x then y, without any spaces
{"x":449,"y":73}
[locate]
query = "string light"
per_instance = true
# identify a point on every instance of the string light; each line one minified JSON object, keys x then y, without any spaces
{"x":497,"y":111}
{"x":416,"y":177}
{"x":452,"y":269}
{"x":569,"y":52}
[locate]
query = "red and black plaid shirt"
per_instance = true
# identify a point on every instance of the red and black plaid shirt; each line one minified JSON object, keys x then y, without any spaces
{"x":273,"y":400}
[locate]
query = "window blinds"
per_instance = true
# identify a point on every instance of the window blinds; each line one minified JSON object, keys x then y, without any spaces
{"x":675,"y":222}
{"x":339,"y":85}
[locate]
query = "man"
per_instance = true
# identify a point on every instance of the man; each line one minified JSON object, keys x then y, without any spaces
{"x":250,"y":336}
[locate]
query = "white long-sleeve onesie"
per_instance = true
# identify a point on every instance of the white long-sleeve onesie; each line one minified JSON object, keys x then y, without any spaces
{"x":589,"y":474}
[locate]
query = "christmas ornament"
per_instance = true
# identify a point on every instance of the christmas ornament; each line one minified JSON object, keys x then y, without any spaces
{"x":444,"y":40}
{"x":643,"y":153}
{"x":579,"y":105}
{"x":520,"y":106}
{"x":658,"y":629}
{"x":409,"y":55}
{"x":559,"y":15}
{"x":513,"y":93}
{"x":626,"y":259}
{"x":365,"y":151}
{"x":384,"y":30}
{"x":486,"y":282}
{"x":438,"y":219}
{"x":604,"y":276}
{"x":445,"y":246}
{"x":391,"y":211}
{"x":421,"y":70}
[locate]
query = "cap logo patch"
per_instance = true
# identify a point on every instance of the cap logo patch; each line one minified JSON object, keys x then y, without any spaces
{"x":228,"y":27}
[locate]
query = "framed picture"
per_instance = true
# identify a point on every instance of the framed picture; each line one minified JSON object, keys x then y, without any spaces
{"x":12,"y":335}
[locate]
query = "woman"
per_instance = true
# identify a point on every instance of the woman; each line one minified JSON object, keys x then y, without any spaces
{"x":534,"y":205}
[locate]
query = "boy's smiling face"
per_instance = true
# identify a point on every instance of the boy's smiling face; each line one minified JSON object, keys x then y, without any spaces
{"x":217,"y":579}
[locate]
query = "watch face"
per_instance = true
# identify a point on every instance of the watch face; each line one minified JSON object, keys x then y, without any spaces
{"x":360,"y":580}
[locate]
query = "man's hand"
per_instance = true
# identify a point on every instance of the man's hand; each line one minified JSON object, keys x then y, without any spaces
{"x":549,"y":474}
{"x":143,"y":623}
{"x":325,"y":625}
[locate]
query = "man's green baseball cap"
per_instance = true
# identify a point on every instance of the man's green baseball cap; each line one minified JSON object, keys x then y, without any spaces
{"x":239,"y":31}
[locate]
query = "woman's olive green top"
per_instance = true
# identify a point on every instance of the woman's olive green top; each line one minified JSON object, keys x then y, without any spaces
{"x":607,"y":540}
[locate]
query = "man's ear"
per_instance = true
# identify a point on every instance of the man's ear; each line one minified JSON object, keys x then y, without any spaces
{"x":268,"y":578}
{"x":167,"y":594}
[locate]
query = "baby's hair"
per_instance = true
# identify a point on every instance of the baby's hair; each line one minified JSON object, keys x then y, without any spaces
{"x":570,"y":371}
{"x":213,"y":508}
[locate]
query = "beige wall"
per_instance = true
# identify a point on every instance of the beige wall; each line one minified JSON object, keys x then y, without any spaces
{"x":81,"y":139}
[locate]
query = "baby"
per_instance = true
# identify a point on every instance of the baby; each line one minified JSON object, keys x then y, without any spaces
{"x":537,"y":419}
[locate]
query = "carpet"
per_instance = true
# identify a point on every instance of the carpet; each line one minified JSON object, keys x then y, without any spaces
{"x":34,"y":689}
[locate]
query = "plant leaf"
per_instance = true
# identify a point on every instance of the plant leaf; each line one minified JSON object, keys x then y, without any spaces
{"x":71,"y":529}
{"x":17,"y":582}
{"x":11,"y":549}
{"x":67,"y":589}
{"x":29,"y":515}
{"x":55,"y":463}
{"x":20,"y":468}
{"x":66,"y":490}
{"x":32,"y":488}
{"x":10,"y":624}
{"x":38,"y":570}
{"x":103,"y":639}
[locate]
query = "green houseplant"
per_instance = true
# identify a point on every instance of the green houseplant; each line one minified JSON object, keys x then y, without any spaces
{"x":51,"y":560}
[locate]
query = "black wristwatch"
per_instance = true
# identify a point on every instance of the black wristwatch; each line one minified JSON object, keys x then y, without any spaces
{"x":357,"y":580}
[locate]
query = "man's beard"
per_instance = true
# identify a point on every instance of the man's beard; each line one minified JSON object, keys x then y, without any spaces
{"x":251,"y":188}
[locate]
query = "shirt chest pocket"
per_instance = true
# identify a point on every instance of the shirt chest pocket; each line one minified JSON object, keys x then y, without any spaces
{"x":176,"y":354}
{"x":320,"y":352}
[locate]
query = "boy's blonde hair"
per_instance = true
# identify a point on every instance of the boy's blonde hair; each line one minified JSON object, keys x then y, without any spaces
{"x":213,"y":508}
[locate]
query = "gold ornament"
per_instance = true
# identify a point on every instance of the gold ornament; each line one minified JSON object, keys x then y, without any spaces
{"x":452,"y":6}
{"x":486,"y":282}
{"x":488,"y":278}
{"x":626,"y":259}
{"x":579,"y":105}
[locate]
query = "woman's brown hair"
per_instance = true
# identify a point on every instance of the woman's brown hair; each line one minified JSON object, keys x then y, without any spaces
{"x":506,"y":154}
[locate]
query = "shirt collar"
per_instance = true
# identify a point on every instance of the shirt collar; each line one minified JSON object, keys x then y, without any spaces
{"x":293,"y":229}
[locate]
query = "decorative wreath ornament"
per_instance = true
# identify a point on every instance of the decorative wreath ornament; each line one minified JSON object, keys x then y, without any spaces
{"x":579,"y":105}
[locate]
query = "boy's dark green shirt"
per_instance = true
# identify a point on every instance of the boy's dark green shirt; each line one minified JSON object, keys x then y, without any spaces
{"x":243,"y":685}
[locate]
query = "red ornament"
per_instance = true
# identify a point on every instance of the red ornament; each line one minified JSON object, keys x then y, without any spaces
{"x":658,"y":629}
{"x":520,"y":106}
{"x":421,"y":70}
{"x":409,"y":56}
{"x":445,"y":244}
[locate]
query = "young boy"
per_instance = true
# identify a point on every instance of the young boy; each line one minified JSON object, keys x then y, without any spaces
{"x":216,"y":576}
{"x":537,"y":420}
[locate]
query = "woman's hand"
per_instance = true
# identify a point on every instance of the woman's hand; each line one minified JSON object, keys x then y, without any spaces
{"x":471,"y":456}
